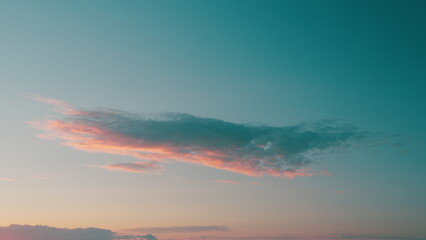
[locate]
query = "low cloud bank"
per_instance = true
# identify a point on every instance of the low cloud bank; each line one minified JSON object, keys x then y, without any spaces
{"x":28,"y":232}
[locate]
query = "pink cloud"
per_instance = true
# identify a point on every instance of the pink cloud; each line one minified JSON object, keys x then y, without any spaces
{"x":62,"y":107}
{"x":185,"y":138}
{"x":7,"y":180}
{"x":136,"y":167}
{"x":227,"y":181}
{"x":94,"y":138}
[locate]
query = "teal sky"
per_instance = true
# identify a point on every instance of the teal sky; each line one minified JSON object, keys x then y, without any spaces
{"x":269,"y":63}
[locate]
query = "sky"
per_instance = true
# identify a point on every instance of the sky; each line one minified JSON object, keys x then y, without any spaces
{"x":212,"y":120}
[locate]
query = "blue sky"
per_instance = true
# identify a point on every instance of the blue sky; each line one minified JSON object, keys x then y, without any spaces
{"x":273,"y":63}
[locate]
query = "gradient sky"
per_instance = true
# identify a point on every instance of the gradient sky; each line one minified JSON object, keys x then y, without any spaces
{"x":276,"y":64}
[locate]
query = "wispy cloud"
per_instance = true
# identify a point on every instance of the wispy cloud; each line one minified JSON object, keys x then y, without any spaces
{"x":7,"y":180}
{"x":183,"y":229}
{"x":136,"y":167}
{"x":28,"y":232}
{"x":227,"y":181}
{"x":234,"y":182}
{"x":61,"y":106}
{"x":242,"y":148}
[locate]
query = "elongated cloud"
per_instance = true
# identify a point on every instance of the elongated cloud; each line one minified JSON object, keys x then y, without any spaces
{"x":242,"y":148}
{"x":184,"y":229}
{"x":7,"y":180}
{"x":61,"y":106}
{"x":28,"y":232}
{"x":136,"y":167}
{"x":227,"y":181}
